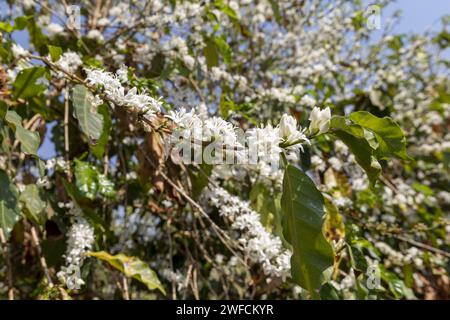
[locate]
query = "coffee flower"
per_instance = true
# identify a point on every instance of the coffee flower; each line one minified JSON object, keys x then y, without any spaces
{"x":289,"y":132}
{"x":320,"y":121}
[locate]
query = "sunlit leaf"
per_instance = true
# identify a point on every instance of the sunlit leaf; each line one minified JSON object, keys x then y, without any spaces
{"x":9,"y":210}
{"x":132,"y":267}
{"x":91,"y":122}
{"x":303,"y":219}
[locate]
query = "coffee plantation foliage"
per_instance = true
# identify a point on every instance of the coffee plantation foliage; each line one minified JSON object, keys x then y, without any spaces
{"x":338,"y":183}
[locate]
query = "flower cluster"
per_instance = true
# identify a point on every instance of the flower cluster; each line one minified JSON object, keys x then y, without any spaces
{"x":80,"y":240}
{"x":69,"y":62}
{"x":260,"y":245}
{"x":264,"y":144}
{"x":111,"y":84}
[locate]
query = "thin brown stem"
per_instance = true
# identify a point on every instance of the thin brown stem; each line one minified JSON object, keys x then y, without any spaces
{"x":66,"y":130}
{"x":42,"y":261}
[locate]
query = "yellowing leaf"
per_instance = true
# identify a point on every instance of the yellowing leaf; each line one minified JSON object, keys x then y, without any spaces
{"x":132,"y":267}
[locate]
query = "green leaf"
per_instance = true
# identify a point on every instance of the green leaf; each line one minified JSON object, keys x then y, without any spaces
{"x":86,"y":179}
{"x":29,"y":140}
{"x":354,"y":136}
{"x":132,"y":267}
{"x":224,"y":49}
{"x":90,"y":121}
{"x":329,"y":292}
{"x":199,"y":178}
{"x":9,"y":210}
{"x":396,"y":286}
{"x":390,"y":137}
{"x":20,"y":23}
{"x":55,"y":52}
{"x":105,"y":186}
{"x":25,"y":84}
{"x":276,"y":10}
{"x":98,"y":149}
{"x":3,"y":109}
{"x":35,"y":206}
{"x":303,"y":219}
{"x":13,"y":118}
{"x":227,"y":10}
{"x":95,"y":219}
{"x":89,"y":181}
{"x":358,"y":260}
{"x":210,"y":52}
{"x":6,"y":27}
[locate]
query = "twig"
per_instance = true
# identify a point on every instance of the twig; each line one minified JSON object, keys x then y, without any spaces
{"x":126,"y":293}
{"x":66,"y":130}
{"x":423,"y":246}
{"x":42,"y":261}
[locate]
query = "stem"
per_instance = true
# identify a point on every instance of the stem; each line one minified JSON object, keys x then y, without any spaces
{"x":126,"y":293}
{"x":42,"y":260}
{"x":66,"y":131}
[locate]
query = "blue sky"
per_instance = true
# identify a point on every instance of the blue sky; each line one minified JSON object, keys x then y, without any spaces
{"x":418,"y":15}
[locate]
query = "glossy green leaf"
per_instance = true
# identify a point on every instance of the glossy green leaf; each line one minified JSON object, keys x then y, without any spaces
{"x":6,"y":27}
{"x":9,"y":210}
{"x":354,"y":136}
{"x":98,"y":149}
{"x":20,"y":23}
{"x":105,"y":186}
{"x":91,"y":122}
{"x":396,"y":286}
{"x":211,"y":55}
{"x":86,"y":179}
{"x":34,"y":204}
{"x":55,"y":52}
{"x":29,"y":140}
{"x":303,"y":219}
{"x":329,"y":292}
{"x":390,"y":137}
{"x":132,"y":267}
{"x":25,"y":86}
{"x":90,"y":182}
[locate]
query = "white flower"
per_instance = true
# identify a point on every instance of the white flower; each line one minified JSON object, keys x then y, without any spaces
{"x":289,"y":132}
{"x":181,"y":117}
{"x":95,"y":35}
{"x":260,"y":245}
{"x":122,"y":74}
{"x":69,"y":61}
{"x":112,"y":86}
{"x":80,"y":240}
{"x":308,"y":101}
{"x":189,"y":61}
{"x":220,"y":130}
{"x":320,"y":120}
{"x":264,"y":145}
{"x":103,"y":22}
{"x":18,"y":51}
{"x":54,"y":29}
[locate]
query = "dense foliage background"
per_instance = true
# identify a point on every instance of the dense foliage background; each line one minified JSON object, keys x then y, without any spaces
{"x":360,"y":198}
